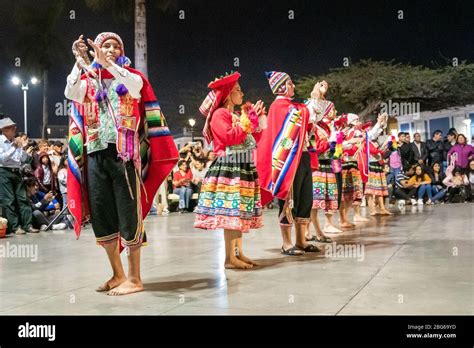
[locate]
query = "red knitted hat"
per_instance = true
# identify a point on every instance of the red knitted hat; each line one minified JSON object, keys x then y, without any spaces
{"x":221,"y":88}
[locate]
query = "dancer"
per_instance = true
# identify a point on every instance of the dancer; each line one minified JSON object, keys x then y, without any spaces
{"x":230,"y":192}
{"x":377,"y":184}
{"x":324,"y":181}
{"x":115,"y":115}
{"x":352,"y":184}
{"x":284,"y":163}
{"x":13,"y":197}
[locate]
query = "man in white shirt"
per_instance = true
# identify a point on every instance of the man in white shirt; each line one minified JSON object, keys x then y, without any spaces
{"x":12,"y":189}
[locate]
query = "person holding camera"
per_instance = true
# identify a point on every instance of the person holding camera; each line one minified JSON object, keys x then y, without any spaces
{"x":44,"y":205}
{"x":13,"y":160}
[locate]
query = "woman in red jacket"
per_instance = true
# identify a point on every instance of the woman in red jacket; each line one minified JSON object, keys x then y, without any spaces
{"x":230,"y":192}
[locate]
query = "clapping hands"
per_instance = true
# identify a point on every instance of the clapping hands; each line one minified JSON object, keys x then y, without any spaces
{"x":259,"y":108}
{"x":99,"y":56}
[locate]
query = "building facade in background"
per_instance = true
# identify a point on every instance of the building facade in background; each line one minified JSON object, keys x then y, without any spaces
{"x":426,"y":122}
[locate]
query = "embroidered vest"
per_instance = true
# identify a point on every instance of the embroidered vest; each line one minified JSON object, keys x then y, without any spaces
{"x":110,"y":119}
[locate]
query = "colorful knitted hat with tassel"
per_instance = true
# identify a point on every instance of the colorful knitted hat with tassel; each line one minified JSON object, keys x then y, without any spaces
{"x":352,"y":118}
{"x":103,"y":37}
{"x":277,"y":81}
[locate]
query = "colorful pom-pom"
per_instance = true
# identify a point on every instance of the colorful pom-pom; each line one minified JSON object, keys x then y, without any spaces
{"x":121,"y":90}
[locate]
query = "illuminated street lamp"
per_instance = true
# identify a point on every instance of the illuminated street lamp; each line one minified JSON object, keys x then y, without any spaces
{"x":192,"y":122}
{"x":24,"y":87}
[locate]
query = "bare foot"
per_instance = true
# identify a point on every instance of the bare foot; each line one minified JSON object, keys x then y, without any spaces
{"x":374,"y":212}
{"x":128,"y":287}
{"x":385,"y":212}
{"x":235,"y":263}
{"x":246,"y":260}
{"x":331,"y":229}
{"x":359,"y":218}
{"x":347,"y":225}
{"x":111,"y":284}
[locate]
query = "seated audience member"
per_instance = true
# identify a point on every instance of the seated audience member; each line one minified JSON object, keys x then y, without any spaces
{"x":402,"y":191}
{"x":438,"y":190}
{"x":457,"y":184}
{"x":182,"y":185}
{"x":45,"y":207}
{"x":422,"y":182}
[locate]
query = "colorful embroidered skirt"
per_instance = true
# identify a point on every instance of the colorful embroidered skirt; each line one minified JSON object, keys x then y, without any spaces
{"x":230,"y":196}
{"x":352,"y":187}
{"x":324,"y":187}
{"x":377,"y":183}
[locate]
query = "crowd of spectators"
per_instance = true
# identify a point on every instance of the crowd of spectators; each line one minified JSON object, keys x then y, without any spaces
{"x":438,"y":171}
{"x":33,"y":182}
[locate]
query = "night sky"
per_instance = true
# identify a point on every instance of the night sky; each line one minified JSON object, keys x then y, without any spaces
{"x":184,"y":55}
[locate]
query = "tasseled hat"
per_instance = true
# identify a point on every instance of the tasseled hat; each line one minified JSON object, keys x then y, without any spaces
{"x":352,"y":118}
{"x":102,"y":37}
{"x":220,"y":90}
{"x":277,"y":81}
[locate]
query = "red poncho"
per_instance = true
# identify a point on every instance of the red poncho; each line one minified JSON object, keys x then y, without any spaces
{"x":158,"y":153}
{"x":280,"y":148}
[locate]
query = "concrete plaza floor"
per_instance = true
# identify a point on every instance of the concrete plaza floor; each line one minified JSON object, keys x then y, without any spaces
{"x":420,"y":261}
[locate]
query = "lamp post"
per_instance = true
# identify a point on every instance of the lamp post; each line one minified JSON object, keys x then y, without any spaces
{"x":24,"y":87}
{"x":192,"y":122}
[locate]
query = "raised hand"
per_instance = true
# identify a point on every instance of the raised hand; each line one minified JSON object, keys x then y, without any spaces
{"x":316,"y":92}
{"x":382,"y":118}
{"x":99,"y":56}
{"x":324,"y":87}
{"x":79,"y":50}
{"x":259,"y":108}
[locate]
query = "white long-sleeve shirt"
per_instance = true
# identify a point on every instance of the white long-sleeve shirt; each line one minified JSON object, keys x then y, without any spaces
{"x":11,"y":156}
{"x":76,"y":88}
{"x":375,"y":131}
